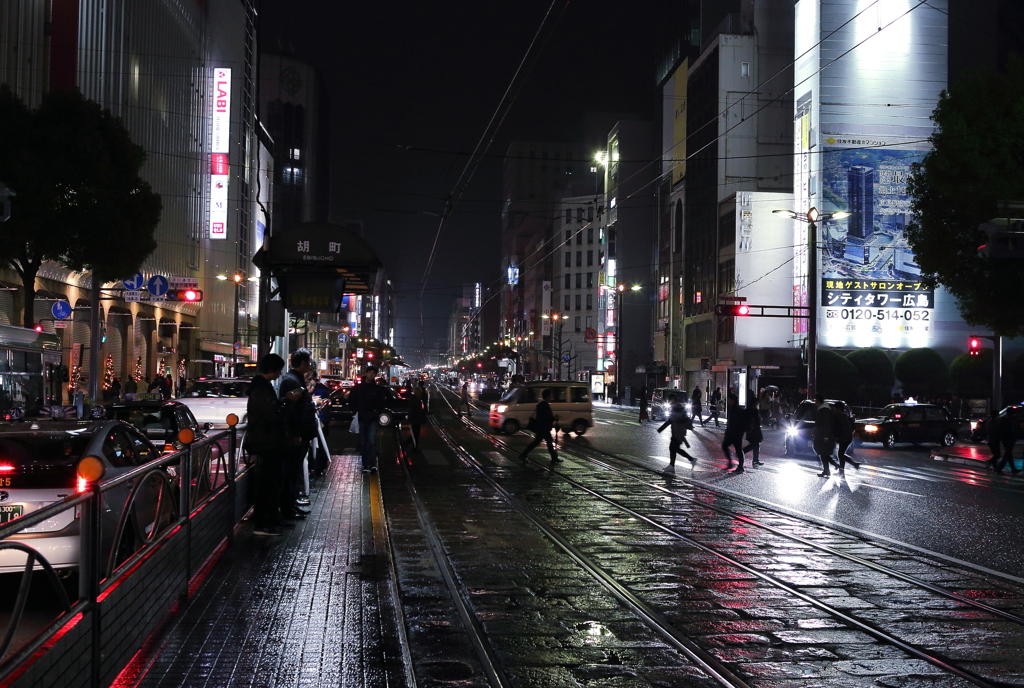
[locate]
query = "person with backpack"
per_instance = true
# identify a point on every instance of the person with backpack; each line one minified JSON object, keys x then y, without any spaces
{"x":540,"y":423}
{"x":844,"y":436}
{"x":680,"y":424}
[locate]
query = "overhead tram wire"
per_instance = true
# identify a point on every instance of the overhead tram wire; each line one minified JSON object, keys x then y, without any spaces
{"x":475,"y":161}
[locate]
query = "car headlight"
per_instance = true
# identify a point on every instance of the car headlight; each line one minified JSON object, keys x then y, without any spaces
{"x":689,"y":407}
{"x":501,"y":408}
{"x":870,"y":428}
{"x":667,"y":407}
{"x":792,"y":431}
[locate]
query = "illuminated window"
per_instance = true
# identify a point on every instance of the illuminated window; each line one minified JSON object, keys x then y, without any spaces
{"x":294,"y":154}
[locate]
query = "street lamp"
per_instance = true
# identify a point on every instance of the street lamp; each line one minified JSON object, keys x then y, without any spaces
{"x":811,"y":217}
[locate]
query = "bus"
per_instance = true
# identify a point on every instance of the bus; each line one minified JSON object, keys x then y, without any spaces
{"x":30,"y":371}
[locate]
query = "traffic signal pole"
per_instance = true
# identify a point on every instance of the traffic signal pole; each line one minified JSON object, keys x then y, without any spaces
{"x":997,"y":372}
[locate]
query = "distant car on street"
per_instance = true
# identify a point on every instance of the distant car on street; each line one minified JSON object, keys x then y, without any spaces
{"x":800,"y":427}
{"x":38,"y":466}
{"x":660,"y":407}
{"x":979,"y":426}
{"x":212,"y":399}
{"x":915,"y":423}
{"x":396,"y":405}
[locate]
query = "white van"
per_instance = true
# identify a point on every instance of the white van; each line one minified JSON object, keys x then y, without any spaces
{"x":570,"y":402}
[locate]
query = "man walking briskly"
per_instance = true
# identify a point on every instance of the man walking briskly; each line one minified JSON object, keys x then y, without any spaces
{"x":541,"y":423}
{"x":844,"y":436}
{"x":301,"y":415}
{"x":680,"y":424}
{"x":698,"y":409}
{"x":824,"y":435}
{"x":752,"y":430}
{"x":267,"y":439}
{"x":368,"y":399}
{"x":734,"y":426}
{"x":994,"y":429}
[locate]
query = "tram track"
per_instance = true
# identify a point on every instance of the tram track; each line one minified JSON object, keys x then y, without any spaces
{"x":872,"y":629}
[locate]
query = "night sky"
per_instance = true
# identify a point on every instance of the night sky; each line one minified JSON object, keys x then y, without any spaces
{"x":429,"y":76}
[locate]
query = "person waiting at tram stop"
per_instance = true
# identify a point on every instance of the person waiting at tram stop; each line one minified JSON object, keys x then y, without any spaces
{"x":735,"y":423}
{"x":368,"y":399}
{"x":752,"y":431}
{"x":541,"y":423}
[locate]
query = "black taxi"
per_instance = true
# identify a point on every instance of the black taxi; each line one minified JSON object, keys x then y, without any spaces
{"x":915,"y":423}
{"x":159,"y":420}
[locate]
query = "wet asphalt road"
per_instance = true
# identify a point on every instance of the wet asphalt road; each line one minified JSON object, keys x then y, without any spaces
{"x":960,"y":511}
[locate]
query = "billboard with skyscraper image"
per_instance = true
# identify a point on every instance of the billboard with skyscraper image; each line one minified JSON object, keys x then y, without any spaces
{"x":870,"y":283}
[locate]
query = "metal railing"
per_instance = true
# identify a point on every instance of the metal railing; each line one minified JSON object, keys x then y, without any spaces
{"x":129,"y":573}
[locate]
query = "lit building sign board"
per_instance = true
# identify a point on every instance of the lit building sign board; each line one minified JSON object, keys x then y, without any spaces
{"x":220,"y":142}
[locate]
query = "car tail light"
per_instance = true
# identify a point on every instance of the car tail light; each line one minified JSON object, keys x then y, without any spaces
{"x":6,"y":468}
{"x":81,"y":485}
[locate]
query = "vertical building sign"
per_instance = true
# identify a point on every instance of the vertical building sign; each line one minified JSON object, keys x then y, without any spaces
{"x":220,"y":142}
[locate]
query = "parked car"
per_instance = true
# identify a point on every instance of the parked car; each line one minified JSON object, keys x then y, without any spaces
{"x":914,"y":423}
{"x":570,"y":402}
{"x":800,"y":427}
{"x":160,"y":421}
{"x":38,"y":466}
{"x":212,"y":399}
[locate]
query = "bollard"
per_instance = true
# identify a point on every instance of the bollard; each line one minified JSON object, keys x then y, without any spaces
{"x":91,"y":469}
{"x":186,"y":436}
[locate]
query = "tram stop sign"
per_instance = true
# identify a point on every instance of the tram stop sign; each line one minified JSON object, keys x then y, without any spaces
{"x":317,"y":263}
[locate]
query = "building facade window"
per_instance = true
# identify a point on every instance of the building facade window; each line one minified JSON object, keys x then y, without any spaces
{"x":568,"y":259}
{"x":590,"y":257}
{"x":568,"y":302}
{"x":568,"y":215}
{"x":590,"y":303}
{"x":576,"y":323}
{"x":579,"y":302}
{"x":579,"y":259}
{"x":590,"y":235}
{"x":568,"y":281}
{"x":590,"y":280}
{"x":579,"y":280}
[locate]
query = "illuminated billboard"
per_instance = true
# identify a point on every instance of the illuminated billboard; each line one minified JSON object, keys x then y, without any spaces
{"x":220,"y":146}
{"x":867,"y":77}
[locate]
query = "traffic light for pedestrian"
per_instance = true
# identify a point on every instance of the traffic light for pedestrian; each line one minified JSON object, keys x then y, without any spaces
{"x":185,"y":295}
{"x":740,"y":309}
{"x":974,"y":346}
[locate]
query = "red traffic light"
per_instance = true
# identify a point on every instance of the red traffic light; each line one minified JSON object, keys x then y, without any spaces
{"x":974,"y":346}
{"x":186,"y":295}
{"x":369,"y":354}
{"x":740,"y":309}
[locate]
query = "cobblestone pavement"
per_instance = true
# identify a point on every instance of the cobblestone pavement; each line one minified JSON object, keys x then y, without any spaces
{"x":768,"y":634}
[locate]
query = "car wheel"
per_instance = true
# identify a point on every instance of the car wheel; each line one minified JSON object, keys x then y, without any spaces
{"x":510,"y":426}
{"x":949,"y":439}
{"x":385,"y":419}
{"x":579,"y":426}
{"x":889,"y":440}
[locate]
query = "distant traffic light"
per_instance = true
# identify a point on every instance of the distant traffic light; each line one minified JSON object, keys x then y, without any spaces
{"x":974,"y":346}
{"x":186,"y":295}
{"x":38,"y":327}
{"x":732,"y":309}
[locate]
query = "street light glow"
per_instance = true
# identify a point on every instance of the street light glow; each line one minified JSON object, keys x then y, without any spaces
{"x":635,"y":287}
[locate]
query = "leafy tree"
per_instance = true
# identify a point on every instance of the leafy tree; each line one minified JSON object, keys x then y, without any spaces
{"x":972,"y":375}
{"x":875,"y":370}
{"x":977,"y":161}
{"x":80,"y":201}
{"x":922,"y":372}
{"x":837,"y":377}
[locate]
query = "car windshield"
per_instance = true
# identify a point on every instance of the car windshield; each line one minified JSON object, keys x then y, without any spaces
{"x":217,"y":389}
{"x":147,"y":418}
{"x":892,"y":411}
{"x":511,"y":394}
{"x":43,"y":448}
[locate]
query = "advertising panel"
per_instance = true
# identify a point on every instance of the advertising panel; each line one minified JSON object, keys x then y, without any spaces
{"x":871,"y":291}
{"x":220,"y":145}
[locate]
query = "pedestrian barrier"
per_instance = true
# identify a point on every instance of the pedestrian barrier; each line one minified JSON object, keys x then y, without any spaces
{"x":196,"y":497}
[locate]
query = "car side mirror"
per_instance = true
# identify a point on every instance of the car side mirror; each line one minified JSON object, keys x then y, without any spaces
{"x":207,"y":426}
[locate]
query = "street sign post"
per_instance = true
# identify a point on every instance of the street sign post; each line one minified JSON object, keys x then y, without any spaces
{"x":132,"y":296}
{"x":157,"y":285}
{"x":342,"y":338}
{"x":134,"y":283}
{"x":61,"y":310}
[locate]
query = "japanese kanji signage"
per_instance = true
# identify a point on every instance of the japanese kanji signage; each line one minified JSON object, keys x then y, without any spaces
{"x":877,"y":306}
{"x":220,"y":145}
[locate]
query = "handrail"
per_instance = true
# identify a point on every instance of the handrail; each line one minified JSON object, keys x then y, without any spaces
{"x":99,"y":572}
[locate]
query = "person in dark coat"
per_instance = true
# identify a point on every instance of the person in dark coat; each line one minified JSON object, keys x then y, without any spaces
{"x":165,"y":387}
{"x":644,"y":415}
{"x":697,"y":409}
{"x":1008,"y":437}
{"x":824,"y":434}
{"x":301,"y":414}
{"x":267,"y":439}
{"x":417,"y":414}
{"x":367,"y":400}
{"x":680,"y":424}
{"x":994,"y":429}
{"x":131,"y":386}
{"x":844,"y":436}
{"x":156,"y":385}
{"x":752,"y":430}
{"x":543,"y":421}
{"x":735,"y":422}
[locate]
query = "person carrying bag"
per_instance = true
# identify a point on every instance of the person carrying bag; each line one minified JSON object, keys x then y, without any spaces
{"x":680,"y":424}
{"x":541,"y":423}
